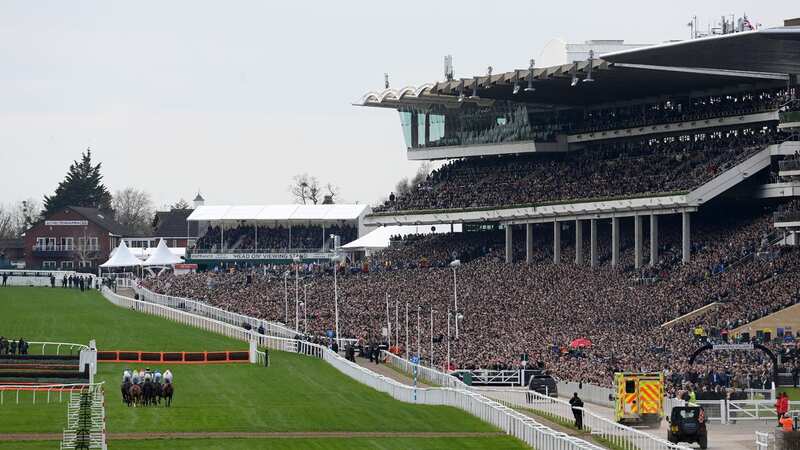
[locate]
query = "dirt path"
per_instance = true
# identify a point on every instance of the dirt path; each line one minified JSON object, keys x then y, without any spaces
{"x":389,"y":372}
{"x":250,"y":435}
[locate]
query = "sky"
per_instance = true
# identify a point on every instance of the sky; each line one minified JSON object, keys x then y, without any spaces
{"x":235,"y":98}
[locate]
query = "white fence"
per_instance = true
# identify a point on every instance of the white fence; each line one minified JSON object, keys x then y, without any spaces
{"x":424,"y":374}
{"x":763,"y":440}
{"x":512,"y":422}
{"x":591,"y":393}
{"x":212,"y":312}
{"x":34,"y":277}
{"x":556,"y":409}
{"x":42,"y":393}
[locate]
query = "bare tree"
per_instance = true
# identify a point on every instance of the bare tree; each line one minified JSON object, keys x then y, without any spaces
{"x":133,"y":209}
{"x":331,"y":194}
{"x":405,"y":186}
{"x":180,"y":204}
{"x":305,"y":189}
{"x":7,"y":228}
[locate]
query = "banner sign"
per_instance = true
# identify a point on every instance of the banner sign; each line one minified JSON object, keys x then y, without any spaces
{"x":66,"y":223}
{"x":733,"y":347}
{"x":257,"y":256}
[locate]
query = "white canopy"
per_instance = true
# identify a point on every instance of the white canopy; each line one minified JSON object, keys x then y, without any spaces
{"x":162,"y":256}
{"x":319,"y":213}
{"x":379,"y":237}
{"x":122,"y":257}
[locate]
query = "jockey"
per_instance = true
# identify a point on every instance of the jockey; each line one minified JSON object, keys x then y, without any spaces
{"x":157,"y":376}
{"x":147,"y":375}
{"x":126,"y":375}
{"x":135,"y":377}
{"x":168,"y":376}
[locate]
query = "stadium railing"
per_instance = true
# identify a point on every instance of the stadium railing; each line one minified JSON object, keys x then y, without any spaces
{"x":591,"y":393}
{"x":270,"y":328}
{"x":607,"y":430}
{"x":194,"y":306}
{"x":512,"y":422}
{"x":69,"y":348}
{"x":425,"y":374}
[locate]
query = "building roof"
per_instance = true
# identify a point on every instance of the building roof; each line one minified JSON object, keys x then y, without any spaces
{"x":103,"y":219}
{"x":173,"y":223}
{"x":304,"y":213}
{"x":716,"y":62}
{"x":199,"y":198}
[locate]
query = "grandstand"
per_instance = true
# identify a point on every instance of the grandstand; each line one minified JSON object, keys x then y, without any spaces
{"x":273,"y":234}
{"x":684,"y":176}
{"x":631,"y":136}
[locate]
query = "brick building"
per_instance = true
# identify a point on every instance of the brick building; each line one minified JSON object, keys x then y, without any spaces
{"x":74,"y":238}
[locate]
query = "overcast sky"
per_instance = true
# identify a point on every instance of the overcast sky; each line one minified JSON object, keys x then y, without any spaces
{"x":234,"y":98}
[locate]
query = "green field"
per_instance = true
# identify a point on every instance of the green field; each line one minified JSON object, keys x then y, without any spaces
{"x":296,"y":394}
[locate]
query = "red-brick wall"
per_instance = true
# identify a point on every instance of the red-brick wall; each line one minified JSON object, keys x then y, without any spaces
{"x":34,"y":259}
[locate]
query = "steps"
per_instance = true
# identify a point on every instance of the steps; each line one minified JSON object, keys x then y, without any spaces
{"x":86,"y":420}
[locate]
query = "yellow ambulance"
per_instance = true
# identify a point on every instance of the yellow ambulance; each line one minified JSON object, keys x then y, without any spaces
{"x":639,"y":398}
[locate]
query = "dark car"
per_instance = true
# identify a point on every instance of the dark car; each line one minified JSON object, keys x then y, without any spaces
{"x":688,"y":424}
{"x":544,"y":384}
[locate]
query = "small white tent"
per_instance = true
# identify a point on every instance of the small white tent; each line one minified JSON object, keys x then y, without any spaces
{"x":122,"y":257}
{"x":162,"y":256}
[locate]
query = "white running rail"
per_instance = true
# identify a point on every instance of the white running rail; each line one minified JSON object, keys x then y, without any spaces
{"x":763,"y":440}
{"x":47,"y":392}
{"x":510,"y":421}
{"x":609,"y":431}
{"x":427,"y":375}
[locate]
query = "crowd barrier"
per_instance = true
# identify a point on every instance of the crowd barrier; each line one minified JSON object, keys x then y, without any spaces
{"x":424,"y":374}
{"x":591,"y":393}
{"x":615,"y":434}
{"x":35,"y":278}
{"x":510,"y":421}
{"x":223,"y":357}
{"x":269,"y":328}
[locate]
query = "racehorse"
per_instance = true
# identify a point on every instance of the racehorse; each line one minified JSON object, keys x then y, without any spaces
{"x":157,"y":393}
{"x":167,"y":391}
{"x":135,"y":395}
{"x":125,"y":388}
{"x":147,"y":393}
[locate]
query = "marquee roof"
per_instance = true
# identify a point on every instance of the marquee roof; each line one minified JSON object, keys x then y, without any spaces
{"x":162,"y":256}
{"x":122,"y":257}
{"x":319,"y":213}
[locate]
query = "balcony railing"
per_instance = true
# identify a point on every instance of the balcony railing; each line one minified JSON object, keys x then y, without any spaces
{"x":789,"y":164}
{"x":65,"y":248}
{"x":217,"y":250}
{"x":786,"y":216}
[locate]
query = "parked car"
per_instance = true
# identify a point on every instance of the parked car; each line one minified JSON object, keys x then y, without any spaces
{"x":543,"y":383}
{"x":688,"y":424}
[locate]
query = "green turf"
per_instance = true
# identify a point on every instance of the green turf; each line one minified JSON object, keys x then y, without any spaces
{"x":472,"y":443}
{"x":296,"y":393}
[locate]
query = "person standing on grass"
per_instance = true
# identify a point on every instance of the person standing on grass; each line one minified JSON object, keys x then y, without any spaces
{"x":576,"y":404}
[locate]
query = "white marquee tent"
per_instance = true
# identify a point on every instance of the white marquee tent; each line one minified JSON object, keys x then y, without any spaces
{"x":162,"y":256}
{"x":122,"y":257}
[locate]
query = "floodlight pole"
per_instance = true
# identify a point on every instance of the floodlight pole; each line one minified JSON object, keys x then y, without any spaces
{"x":296,"y":294}
{"x":448,"y":340}
{"x":419,"y":341}
{"x":305,"y":309}
{"x":388,"y":323}
{"x":431,"y":355}
{"x":406,"y":330}
{"x":286,"y":297}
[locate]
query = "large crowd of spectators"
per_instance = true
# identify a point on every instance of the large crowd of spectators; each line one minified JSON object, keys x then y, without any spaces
{"x":278,"y":238}
{"x":646,"y":166}
{"x":538,"y":309}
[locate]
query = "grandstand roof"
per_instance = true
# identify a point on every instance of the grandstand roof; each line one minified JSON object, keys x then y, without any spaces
{"x":700,"y":64}
{"x":305,"y":213}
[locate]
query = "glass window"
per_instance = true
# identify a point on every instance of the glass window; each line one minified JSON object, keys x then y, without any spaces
{"x":630,"y":387}
{"x":67,"y":265}
{"x":405,"y":123}
{"x":421,"y":128}
{"x":48,"y":264}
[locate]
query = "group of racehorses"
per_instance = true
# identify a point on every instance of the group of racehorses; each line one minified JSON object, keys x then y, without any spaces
{"x":148,"y":393}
